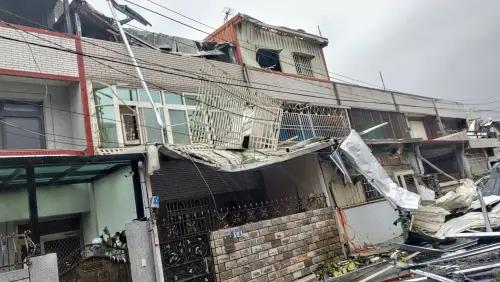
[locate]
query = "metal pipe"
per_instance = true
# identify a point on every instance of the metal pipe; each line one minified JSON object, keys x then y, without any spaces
{"x":431,"y":275}
{"x":137,"y":69}
{"x":461,"y":246}
{"x":477,"y":269}
{"x":412,"y":248}
{"x":474,"y":235}
{"x":484,"y":211}
{"x":470,"y":253}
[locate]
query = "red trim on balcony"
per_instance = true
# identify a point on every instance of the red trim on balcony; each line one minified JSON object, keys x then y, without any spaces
{"x":41,"y":152}
{"x":289,"y":74}
{"x":37,"y":30}
{"x":38,"y":75}
{"x":85,"y":100}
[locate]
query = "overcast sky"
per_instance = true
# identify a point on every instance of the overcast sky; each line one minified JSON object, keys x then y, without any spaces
{"x":446,"y":49}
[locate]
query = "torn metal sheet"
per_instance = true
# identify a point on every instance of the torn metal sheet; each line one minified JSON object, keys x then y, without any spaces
{"x":412,"y":248}
{"x":361,"y":157}
{"x":237,"y":160}
{"x":493,"y":185}
{"x":337,"y":159}
{"x":468,"y":221}
{"x":431,"y":275}
{"x":477,"y":269}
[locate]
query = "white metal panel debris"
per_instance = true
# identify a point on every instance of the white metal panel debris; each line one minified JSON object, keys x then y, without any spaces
{"x":363,"y":160}
{"x":240,"y":160}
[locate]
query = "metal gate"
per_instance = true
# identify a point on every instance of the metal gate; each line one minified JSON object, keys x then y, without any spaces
{"x":184,"y":232}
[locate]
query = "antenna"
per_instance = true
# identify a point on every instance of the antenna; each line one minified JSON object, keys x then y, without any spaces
{"x":229,"y":12}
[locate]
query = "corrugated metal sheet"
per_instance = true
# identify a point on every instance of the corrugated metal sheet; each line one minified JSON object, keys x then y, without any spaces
{"x":252,"y":38}
{"x":181,"y":179}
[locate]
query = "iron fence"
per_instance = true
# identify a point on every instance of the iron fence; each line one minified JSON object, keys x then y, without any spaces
{"x":15,"y":251}
{"x":184,"y":228}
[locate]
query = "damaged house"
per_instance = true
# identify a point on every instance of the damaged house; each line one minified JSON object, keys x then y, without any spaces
{"x":251,"y":120}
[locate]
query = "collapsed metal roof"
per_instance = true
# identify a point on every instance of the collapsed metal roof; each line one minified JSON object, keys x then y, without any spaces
{"x":241,"y":160}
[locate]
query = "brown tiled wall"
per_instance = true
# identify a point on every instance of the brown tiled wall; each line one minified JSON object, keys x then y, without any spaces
{"x":281,"y":249}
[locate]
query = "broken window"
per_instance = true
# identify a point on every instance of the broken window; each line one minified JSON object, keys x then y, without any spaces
{"x":126,"y":117}
{"x":268,"y":59}
{"x":130,"y":125}
{"x":303,"y":64}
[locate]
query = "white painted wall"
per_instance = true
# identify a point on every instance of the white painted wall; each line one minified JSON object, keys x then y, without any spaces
{"x":253,"y":39}
{"x":114,"y":201}
{"x":63,"y":129}
{"x":372,"y":223}
{"x":367,"y":98}
{"x":285,"y":179}
{"x":58,"y":200}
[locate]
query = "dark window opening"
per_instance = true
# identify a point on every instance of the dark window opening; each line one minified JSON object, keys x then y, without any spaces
{"x":268,"y":59}
{"x":21,"y":126}
{"x":364,"y":119}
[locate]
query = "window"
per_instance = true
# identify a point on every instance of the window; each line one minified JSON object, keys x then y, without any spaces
{"x":126,"y":117}
{"x":22,"y":126}
{"x":396,"y":129}
{"x":268,"y":59}
{"x":303,"y":64}
{"x":370,"y":192}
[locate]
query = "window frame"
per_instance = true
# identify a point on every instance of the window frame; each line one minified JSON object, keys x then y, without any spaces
{"x":38,"y":114}
{"x":139,"y":105}
{"x":303,"y":64}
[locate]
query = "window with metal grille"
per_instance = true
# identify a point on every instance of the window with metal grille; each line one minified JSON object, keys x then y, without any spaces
{"x":370,"y":192}
{"x":303,"y":65}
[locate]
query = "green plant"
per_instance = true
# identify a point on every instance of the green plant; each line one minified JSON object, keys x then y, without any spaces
{"x":109,"y":243}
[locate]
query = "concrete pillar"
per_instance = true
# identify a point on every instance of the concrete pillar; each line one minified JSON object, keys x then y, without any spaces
{"x":141,"y":251}
{"x":44,"y":268}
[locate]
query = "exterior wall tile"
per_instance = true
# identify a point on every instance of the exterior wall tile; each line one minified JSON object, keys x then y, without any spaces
{"x":290,"y":248}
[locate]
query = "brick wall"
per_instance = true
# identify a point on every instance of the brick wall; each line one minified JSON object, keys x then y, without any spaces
{"x":17,"y":55}
{"x":281,"y":249}
{"x":161,"y":70}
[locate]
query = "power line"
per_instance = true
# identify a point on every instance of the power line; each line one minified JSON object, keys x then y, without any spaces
{"x":100,"y":58}
{"x":150,"y":63}
{"x":235,"y":38}
{"x":96,"y":59}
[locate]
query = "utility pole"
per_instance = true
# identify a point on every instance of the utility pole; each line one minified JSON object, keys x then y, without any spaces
{"x":137,"y":69}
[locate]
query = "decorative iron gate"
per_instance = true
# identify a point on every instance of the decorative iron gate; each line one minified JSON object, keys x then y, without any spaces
{"x":184,"y":231}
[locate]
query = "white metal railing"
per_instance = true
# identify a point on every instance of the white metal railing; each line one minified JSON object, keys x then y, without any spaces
{"x":306,"y":126}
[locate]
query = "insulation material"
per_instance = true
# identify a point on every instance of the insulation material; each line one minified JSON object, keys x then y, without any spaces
{"x":462,"y":198}
{"x":429,"y":218}
{"x":365,"y":162}
{"x":490,"y":200}
{"x":468,"y":221}
{"x":426,"y":194}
